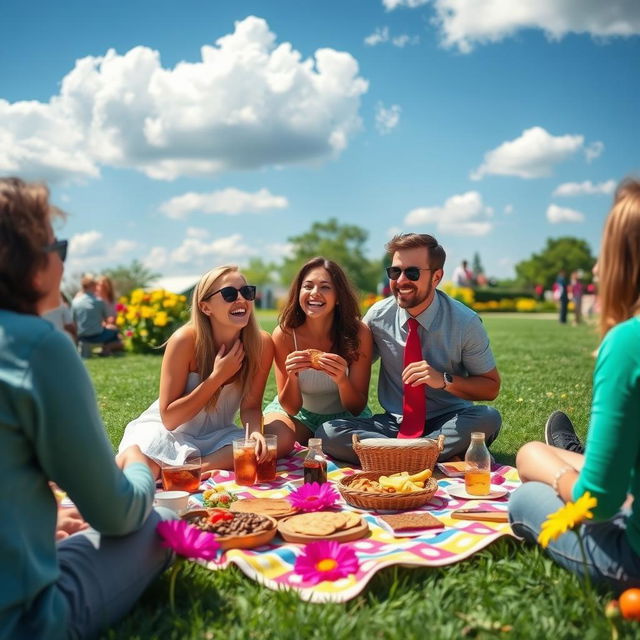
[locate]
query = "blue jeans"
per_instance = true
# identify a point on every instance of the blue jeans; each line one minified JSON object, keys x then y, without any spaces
{"x":102,"y":577}
{"x":611,"y":560}
{"x":456,"y":427}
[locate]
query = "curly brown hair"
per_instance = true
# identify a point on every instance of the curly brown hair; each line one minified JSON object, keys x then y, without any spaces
{"x":346,"y":315}
{"x":24,"y":216}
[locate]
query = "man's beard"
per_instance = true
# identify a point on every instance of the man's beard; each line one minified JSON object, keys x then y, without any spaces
{"x":412,"y":300}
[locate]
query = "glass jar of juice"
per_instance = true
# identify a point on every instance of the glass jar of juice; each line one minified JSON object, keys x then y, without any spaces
{"x":477,"y":476}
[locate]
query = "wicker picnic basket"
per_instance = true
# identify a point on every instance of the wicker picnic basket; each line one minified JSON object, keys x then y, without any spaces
{"x":384,"y":501}
{"x":388,"y":455}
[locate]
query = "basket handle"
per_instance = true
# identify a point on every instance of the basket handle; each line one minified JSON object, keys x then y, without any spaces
{"x":440,"y":442}
{"x":355,"y":439}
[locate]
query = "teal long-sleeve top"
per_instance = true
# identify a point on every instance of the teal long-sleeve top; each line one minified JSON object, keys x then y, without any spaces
{"x":612,"y":458}
{"x":50,"y":429}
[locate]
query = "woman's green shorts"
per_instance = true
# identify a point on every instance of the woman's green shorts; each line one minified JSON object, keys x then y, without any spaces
{"x":312,"y":420}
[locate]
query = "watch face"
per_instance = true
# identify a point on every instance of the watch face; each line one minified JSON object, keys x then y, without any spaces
{"x":448,"y":378}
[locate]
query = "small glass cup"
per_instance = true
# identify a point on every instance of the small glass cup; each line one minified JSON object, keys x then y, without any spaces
{"x":267,"y":468}
{"x":245,"y":465}
{"x":182,"y":477}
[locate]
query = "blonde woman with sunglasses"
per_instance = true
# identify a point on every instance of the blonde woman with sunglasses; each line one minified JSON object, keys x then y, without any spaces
{"x":215,"y":365}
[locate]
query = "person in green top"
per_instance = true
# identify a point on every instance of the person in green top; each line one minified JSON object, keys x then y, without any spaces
{"x":609,"y":469}
{"x":51,"y":431}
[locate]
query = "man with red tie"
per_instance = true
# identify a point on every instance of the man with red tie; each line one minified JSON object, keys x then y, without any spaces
{"x":435,"y":360}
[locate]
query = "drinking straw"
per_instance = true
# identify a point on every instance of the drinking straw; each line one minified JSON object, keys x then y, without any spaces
{"x":246,"y":431}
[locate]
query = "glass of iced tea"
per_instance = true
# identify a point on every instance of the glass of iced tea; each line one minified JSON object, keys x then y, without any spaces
{"x":245,"y":465}
{"x":182,"y":477}
{"x":267,"y":468}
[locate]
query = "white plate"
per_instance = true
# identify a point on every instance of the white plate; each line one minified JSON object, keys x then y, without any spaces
{"x":459,"y":491}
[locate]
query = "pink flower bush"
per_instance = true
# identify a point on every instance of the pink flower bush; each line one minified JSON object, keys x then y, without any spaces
{"x":326,"y":560}
{"x":313,"y":497}
{"x":187,"y":540}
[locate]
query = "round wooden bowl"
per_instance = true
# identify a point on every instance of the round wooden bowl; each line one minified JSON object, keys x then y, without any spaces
{"x":385,"y":501}
{"x":247,"y":541}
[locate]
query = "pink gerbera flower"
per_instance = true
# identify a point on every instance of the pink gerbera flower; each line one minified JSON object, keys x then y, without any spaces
{"x":326,"y":560}
{"x":187,"y":540}
{"x":313,"y":497}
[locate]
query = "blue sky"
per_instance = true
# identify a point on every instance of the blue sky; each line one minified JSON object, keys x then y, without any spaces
{"x":197,"y":133}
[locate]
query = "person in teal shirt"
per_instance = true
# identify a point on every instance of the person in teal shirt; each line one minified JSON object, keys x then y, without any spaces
{"x":51,"y":431}
{"x":609,"y":469}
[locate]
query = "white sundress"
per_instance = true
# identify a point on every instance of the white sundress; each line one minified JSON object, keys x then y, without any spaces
{"x":205,"y":433}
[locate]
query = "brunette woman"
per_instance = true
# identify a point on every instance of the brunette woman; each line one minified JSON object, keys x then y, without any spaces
{"x":322,"y":352}
{"x":557,"y":472}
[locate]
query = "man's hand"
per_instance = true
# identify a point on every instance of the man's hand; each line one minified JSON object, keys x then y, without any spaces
{"x":422,"y":372}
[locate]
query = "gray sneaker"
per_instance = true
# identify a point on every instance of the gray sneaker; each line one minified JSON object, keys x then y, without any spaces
{"x":559,"y":432}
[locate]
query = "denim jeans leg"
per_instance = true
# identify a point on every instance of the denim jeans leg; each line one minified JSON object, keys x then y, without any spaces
{"x":458,"y":426}
{"x":101,"y":577}
{"x":610,"y":559}
{"x":336,"y":434}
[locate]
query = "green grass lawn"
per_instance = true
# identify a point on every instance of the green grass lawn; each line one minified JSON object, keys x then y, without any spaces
{"x":544,"y":366}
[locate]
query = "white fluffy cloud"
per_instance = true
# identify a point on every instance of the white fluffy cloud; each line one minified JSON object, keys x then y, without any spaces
{"x":248,"y":103}
{"x":226,"y":201}
{"x":532,"y":155}
{"x":556,"y":214}
{"x":381,"y":35}
{"x":464,"y":215}
{"x":586,"y":188}
{"x":387,"y":119}
{"x":593,"y":151}
{"x":228,"y":249}
{"x":390,"y":5}
{"x":465,"y":23}
{"x":90,"y":250}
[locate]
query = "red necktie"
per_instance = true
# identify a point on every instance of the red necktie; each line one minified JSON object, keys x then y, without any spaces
{"x":414,"y":404}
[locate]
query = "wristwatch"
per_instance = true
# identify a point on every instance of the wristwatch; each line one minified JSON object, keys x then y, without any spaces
{"x":448,"y":379}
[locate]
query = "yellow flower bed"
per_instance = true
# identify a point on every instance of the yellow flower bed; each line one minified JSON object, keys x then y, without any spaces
{"x":148,"y":318}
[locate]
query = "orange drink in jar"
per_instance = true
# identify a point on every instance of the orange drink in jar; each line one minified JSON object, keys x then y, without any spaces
{"x":477,"y":482}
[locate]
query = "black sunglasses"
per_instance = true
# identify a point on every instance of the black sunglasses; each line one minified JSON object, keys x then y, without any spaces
{"x":412,"y":273}
{"x":230,"y":294}
{"x":59,"y":246}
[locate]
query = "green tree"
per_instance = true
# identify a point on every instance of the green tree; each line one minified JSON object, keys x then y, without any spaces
{"x":259,"y":272}
{"x":341,"y":243}
{"x":476,"y":265}
{"x":566,"y":253}
{"x":135,"y":276}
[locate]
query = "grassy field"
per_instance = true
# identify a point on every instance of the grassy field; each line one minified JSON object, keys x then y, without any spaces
{"x":544,"y":366}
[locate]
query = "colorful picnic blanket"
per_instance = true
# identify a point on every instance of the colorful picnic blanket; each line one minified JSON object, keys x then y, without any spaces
{"x":272,"y":564}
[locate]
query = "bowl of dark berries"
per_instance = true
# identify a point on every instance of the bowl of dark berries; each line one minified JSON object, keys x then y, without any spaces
{"x":234,"y":530}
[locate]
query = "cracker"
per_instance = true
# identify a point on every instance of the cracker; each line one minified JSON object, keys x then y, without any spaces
{"x":274,"y":507}
{"x":353,"y":519}
{"x":404,"y":521}
{"x":320,"y":523}
{"x":315,"y":355}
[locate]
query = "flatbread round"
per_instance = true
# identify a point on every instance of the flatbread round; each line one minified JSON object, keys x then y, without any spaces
{"x":274,"y":507}
{"x":320,"y":523}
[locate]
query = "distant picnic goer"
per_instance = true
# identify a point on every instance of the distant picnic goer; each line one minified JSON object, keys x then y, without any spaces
{"x":214,"y":365}
{"x":50,"y":430}
{"x":561,"y":295}
{"x":609,"y":469}
{"x":577,"y":291}
{"x":106,"y":293}
{"x":62,"y":319}
{"x":90,"y":315}
{"x":462,"y":276}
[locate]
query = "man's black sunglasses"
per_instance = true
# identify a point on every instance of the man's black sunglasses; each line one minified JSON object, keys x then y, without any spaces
{"x":59,"y":246}
{"x":412,"y":273}
{"x":230,"y":294}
